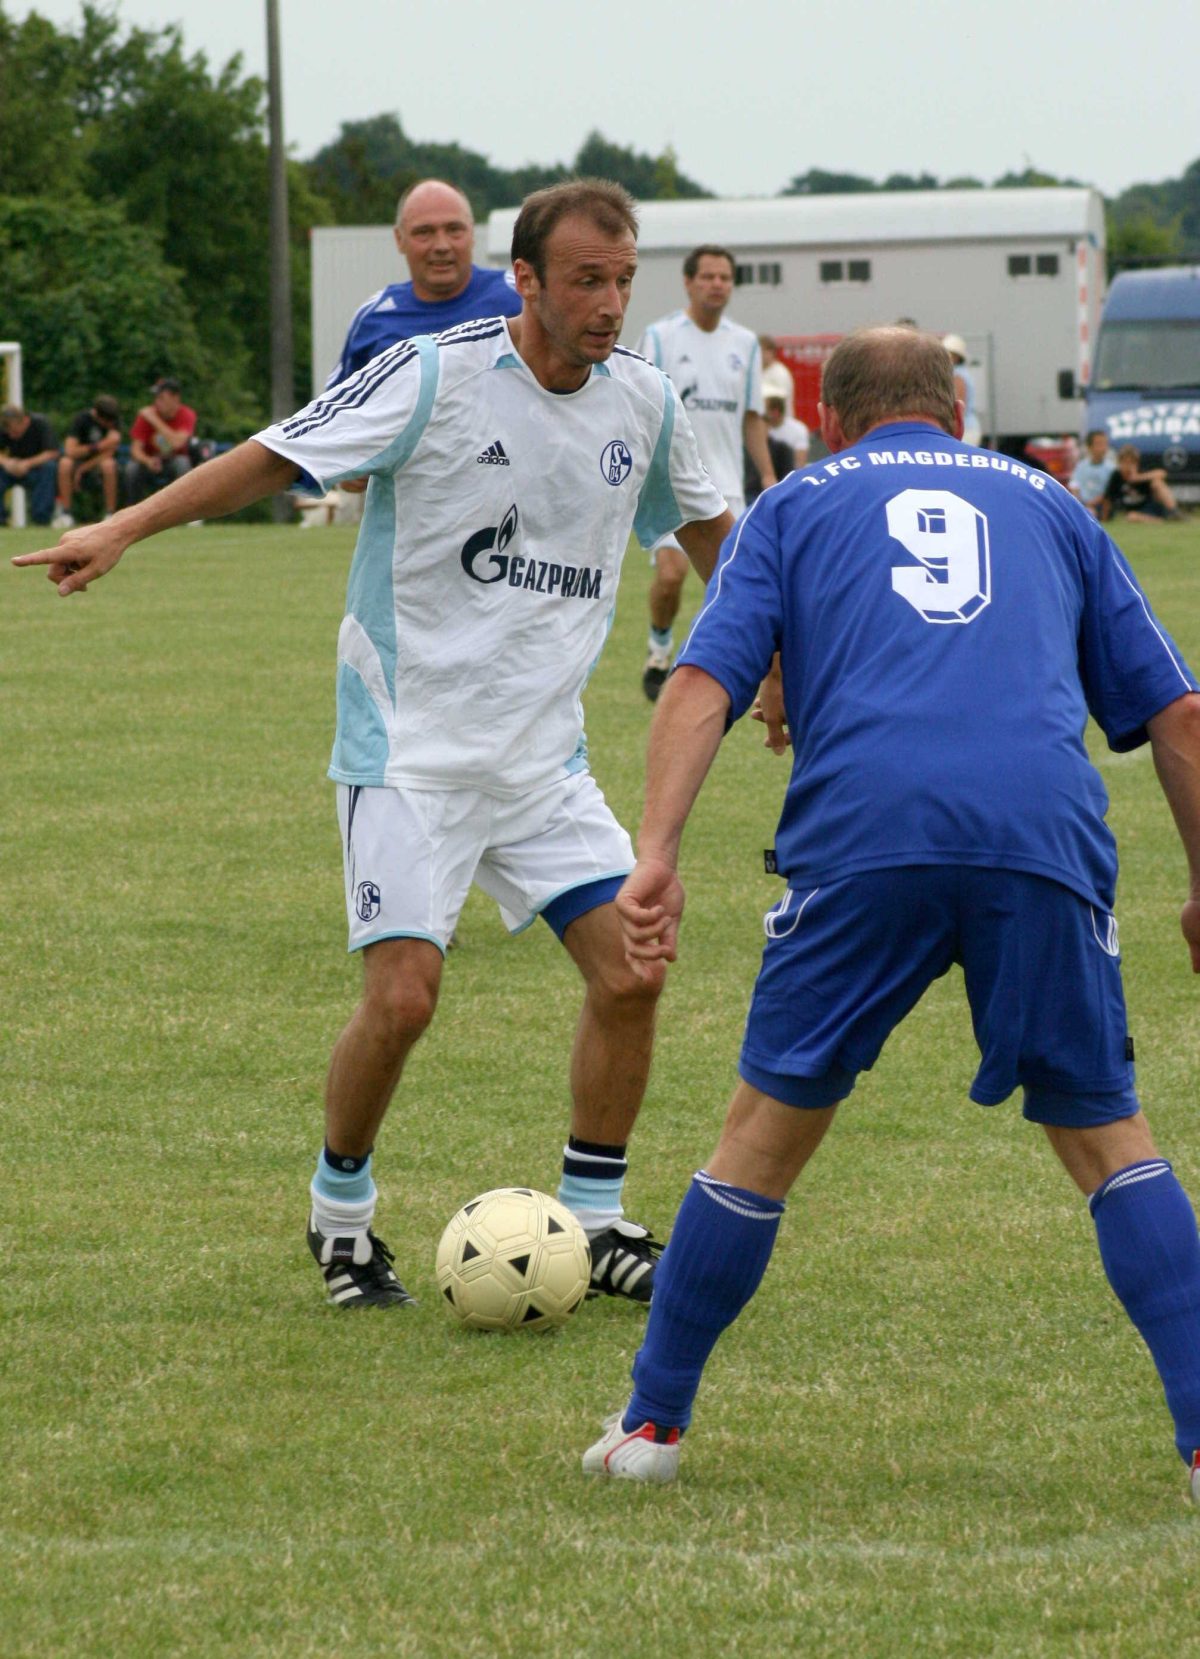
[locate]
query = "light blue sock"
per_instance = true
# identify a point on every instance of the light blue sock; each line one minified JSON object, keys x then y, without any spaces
{"x":1150,"y":1248}
{"x":720,"y":1246}
{"x":343,"y":1186}
{"x":593,"y":1179}
{"x":343,"y":1200}
{"x":662,"y":638}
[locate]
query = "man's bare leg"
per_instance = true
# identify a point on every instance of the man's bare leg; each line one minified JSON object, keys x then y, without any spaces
{"x":401,"y":978}
{"x":666,"y":591}
{"x":610,"y":1067}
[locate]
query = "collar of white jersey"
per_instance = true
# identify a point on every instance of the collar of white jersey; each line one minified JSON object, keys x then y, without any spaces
{"x":508,"y":357}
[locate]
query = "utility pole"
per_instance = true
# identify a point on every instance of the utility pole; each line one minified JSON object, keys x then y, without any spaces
{"x":283,"y":396}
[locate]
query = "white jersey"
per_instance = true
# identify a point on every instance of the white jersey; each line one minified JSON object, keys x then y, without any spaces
{"x":718,"y":376}
{"x":484,"y":579}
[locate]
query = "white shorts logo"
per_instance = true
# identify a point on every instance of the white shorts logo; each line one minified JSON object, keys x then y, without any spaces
{"x":367,"y":901}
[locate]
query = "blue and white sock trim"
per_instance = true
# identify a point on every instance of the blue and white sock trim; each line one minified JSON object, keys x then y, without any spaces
{"x":752,"y":1205}
{"x":593,"y":1166}
{"x":1147,"y":1170}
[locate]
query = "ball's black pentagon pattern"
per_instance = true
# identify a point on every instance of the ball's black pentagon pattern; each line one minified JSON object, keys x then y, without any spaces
{"x":513,"y":1259}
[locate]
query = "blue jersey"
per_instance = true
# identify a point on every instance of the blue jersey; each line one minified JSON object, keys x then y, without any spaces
{"x":947,"y":620}
{"x":395,"y":313}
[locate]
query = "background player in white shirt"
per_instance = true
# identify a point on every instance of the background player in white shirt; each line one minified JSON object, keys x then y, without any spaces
{"x":716,"y":365}
{"x":508,"y":462}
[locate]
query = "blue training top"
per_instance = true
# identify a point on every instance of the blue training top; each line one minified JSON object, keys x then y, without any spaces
{"x":395,"y":313}
{"x":947,"y":619}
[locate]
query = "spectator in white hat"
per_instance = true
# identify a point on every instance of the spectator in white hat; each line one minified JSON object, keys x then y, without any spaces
{"x":964,"y":386}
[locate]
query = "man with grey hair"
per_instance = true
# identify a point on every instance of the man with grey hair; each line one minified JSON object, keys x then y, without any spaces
{"x":946,"y":619}
{"x":435,"y":233}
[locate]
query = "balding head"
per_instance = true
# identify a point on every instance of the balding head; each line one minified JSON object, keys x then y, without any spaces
{"x":885,"y":374}
{"x":435,"y":232}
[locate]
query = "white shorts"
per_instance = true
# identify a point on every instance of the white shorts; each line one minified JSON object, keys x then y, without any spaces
{"x":736,"y":505}
{"x":411,"y":855}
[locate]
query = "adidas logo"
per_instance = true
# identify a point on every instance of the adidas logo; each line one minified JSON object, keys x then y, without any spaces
{"x":492,"y":456}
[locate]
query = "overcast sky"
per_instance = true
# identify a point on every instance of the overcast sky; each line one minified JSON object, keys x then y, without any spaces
{"x":749,"y":92}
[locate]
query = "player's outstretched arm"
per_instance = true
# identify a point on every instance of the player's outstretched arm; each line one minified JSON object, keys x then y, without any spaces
{"x":245,"y":474}
{"x":1175,"y":741}
{"x":689,"y":723}
{"x":701,"y":541}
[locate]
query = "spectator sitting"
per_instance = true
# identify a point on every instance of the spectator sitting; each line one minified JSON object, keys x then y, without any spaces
{"x":89,"y":456}
{"x":1143,"y":497}
{"x":1092,"y":473}
{"x":160,"y":441}
{"x":28,"y":456}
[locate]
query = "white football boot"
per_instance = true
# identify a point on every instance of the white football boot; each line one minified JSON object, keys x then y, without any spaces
{"x":648,"y":1453}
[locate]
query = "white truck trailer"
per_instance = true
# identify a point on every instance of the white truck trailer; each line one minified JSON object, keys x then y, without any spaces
{"x":1018,"y":273}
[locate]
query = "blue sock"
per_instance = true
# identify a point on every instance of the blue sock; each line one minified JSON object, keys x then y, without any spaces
{"x":720,"y":1246}
{"x":1151,"y":1252}
{"x":662,"y":637}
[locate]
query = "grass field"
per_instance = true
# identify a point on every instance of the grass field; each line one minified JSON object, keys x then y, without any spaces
{"x":934,"y":1432}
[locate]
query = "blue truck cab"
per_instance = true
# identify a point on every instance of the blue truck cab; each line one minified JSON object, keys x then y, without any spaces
{"x":1145,"y":383}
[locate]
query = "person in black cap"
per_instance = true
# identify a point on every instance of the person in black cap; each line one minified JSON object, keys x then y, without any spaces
{"x":160,"y":441}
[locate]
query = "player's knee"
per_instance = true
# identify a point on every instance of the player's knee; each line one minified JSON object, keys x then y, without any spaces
{"x":669,"y":582}
{"x":624,"y":994}
{"x":400,"y":1009}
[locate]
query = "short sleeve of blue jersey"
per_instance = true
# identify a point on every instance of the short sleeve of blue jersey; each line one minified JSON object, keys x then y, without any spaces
{"x":1130,"y":666}
{"x":737,"y":633}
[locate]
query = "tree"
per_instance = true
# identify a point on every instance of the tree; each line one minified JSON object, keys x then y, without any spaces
{"x":817,"y":182}
{"x":1139,"y":239}
{"x":642,"y":175}
{"x":910,"y":181}
{"x":108,"y":322}
{"x":38,"y":118}
{"x":364,"y":171}
{"x":1172,"y":206}
{"x":1032,"y":178}
{"x":130,"y":120}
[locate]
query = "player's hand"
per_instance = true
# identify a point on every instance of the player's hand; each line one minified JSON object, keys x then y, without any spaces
{"x":1189,"y":923}
{"x":649,"y":906}
{"x":768,"y":707}
{"x":80,"y":557}
{"x":355,"y":486}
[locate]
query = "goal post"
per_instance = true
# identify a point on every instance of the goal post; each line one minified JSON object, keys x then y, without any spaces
{"x":12,"y":392}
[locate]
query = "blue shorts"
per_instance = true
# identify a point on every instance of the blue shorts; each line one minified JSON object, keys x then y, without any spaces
{"x":844,"y":964}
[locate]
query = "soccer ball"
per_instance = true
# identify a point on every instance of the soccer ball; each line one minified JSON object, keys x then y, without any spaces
{"x":513,"y":1259}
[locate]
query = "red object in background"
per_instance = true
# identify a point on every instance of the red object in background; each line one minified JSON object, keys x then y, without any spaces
{"x":805,"y":355}
{"x":1057,"y":456}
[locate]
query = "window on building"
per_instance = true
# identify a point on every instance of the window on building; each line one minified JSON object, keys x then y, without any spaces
{"x":1027,"y":264}
{"x":845,"y":270}
{"x":768,"y":273}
